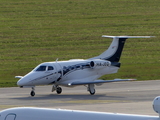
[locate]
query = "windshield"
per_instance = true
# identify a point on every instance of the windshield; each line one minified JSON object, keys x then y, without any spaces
{"x":41,"y":68}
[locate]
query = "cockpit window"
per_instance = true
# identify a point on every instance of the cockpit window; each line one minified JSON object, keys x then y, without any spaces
{"x":50,"y":68}
{"x":41,"y":68}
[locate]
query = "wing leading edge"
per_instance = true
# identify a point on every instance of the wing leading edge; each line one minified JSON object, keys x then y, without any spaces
{"x":98,"y":81}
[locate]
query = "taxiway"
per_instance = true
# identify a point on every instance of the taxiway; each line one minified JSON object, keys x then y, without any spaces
{"x":122,"y":97}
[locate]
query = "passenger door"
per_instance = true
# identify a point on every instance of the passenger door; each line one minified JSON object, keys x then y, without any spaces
{"x":51,"y":74}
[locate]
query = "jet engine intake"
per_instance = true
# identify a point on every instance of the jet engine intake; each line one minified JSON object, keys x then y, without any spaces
{"x":92,"y":64}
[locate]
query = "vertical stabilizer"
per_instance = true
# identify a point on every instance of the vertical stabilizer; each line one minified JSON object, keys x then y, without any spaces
{"x":113,"y":53}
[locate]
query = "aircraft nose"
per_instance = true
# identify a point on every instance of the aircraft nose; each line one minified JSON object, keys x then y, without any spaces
{"x":25,"y":80}
{"x":20,"y":82}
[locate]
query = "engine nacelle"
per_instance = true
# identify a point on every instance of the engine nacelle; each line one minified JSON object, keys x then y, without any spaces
{"x":99,"y":63}
{"x":92,"y":64}
{"x":156,"y":104}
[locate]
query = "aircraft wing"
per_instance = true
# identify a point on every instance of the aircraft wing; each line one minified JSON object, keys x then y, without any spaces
{"x":98,"y":81}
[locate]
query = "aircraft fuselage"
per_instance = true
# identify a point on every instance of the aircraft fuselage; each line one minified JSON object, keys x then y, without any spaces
{"x":64,"y":71}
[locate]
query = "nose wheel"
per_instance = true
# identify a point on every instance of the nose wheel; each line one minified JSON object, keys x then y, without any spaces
{"x":32,"y":92}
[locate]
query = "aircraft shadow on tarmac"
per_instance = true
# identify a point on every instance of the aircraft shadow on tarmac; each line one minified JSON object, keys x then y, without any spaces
{"x":70,"y":97}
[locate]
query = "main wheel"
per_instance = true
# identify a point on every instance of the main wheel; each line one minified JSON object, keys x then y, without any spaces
{"x":59,"y":90}
{"x":32,"y":93}
{"x":92,"y":92}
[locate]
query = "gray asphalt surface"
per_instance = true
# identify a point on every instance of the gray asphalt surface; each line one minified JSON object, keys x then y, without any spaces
{"x":121,"y":97}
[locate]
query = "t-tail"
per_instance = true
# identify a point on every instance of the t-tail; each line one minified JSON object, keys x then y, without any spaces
{"x":113,"y":53}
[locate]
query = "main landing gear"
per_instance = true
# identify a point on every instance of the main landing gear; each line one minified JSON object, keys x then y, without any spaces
{"x":91,"y":89}
{"x":57,"y":88}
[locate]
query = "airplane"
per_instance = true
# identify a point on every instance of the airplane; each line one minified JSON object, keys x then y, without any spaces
{"x":34,"y":113}
{"x":76,"y":72}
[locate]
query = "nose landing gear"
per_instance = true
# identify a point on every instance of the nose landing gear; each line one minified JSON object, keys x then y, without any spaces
{"x":32,"y":92}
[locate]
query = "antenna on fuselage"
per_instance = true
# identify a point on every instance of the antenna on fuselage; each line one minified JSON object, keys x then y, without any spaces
{"x":56,"y":59}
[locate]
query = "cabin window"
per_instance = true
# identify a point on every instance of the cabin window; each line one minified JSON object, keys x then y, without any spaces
{"x":50,"y":68}
{"x":41,"y":68}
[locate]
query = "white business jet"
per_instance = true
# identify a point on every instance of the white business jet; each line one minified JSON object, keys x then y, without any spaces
{"x":78,"y":71}
{"x":32,"y":113}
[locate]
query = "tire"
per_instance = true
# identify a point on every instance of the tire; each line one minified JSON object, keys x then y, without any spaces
{"x":59,"y":90}
{"x":92,"y":92}
{"x":32,"y":93}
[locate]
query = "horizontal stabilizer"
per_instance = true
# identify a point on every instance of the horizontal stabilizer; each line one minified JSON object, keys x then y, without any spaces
{"x":98,"y":81}
{"x":113,"y":53}
{"x":108,"y":36}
